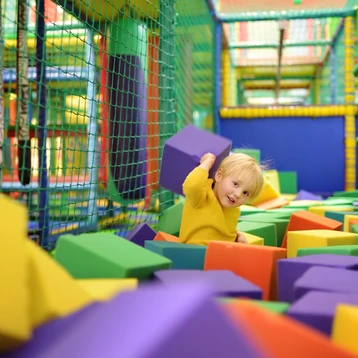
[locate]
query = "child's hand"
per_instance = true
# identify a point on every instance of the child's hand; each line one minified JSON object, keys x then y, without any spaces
{"x":208,"y":157}
{"x":240,"y":237}
{"x":207,"y":161}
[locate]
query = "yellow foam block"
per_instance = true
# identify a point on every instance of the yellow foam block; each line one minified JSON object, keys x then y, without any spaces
{"x":347,"y":218}
{"x":105,"y":289}
{"x":320,"y":210}
{"x":317,"y":238}
{"x":268,"y":192}
{"x":15,"y":327}
{"x":253,"y":239}
{"x":307,"y":203}
{"x":54,"y":293}
{"x":345,"y":327}
{"x":272,"y":177}
{"x":289,"y":197}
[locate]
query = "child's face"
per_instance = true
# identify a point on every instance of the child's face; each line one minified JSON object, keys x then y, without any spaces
{"x":231,"y":192}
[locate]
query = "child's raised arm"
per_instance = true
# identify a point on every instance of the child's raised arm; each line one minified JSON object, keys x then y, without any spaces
{"x":194,"y":185}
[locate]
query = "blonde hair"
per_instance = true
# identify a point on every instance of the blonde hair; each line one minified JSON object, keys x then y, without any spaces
{"x":244,"y":167}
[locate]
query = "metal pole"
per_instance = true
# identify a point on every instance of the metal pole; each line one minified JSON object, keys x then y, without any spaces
{"x":44,"y":220}
{"x":92,"y":210}
{"x":279,"y":64}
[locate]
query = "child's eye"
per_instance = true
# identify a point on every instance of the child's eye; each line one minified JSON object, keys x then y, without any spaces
{"x":246,"y":193}
{"x":235,"y":183}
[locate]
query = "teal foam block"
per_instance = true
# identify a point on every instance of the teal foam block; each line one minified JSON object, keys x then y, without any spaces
{"x":182,"y":256}
{"x":339,"y":215}
{"x":170,"y":220}
{"x":103,"y":255}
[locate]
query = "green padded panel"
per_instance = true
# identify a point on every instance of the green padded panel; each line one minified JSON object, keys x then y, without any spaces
{"x":280,"y":223}
{"x":349,"y":250}
{"x":288,"y":182}
{"x":353,"y":194}
{"x":274,"y":307}
{"x":182,"y":256}
{"x":255,"y":153}
{"x":169,"y":221}
{"x":266,"y":231}
{"x":103,"y":255}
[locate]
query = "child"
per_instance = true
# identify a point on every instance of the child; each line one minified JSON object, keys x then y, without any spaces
{"x":211,"y":210}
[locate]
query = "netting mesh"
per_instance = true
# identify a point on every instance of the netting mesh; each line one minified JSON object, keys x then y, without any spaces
{"x":113,"y":82}
{"x":92,"y":90}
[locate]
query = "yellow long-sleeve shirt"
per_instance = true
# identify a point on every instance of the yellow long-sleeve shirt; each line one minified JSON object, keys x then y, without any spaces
{"x":204,"y":219}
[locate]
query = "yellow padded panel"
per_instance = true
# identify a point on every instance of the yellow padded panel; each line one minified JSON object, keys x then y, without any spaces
{"x":272,"y":177}
{"x":268,"y":192}
{"x":345,"y":327}
{"x":105,"y":289}
{"x":15,"y":327}
{"x":54,"y":293}
{"x":320,"y":210}
{"x":317,"y":238}
{"x":253,"y":239}
{"x":307,"y":203}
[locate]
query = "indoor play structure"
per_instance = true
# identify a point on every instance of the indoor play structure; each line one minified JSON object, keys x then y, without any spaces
{"x":105,"y":107}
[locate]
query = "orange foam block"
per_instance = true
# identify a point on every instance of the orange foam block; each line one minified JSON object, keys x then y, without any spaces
{"x":162,"y":236}
{"x":280,"y":336}
{"x":255,"y":263}
{"x":305,"y":220}
{"x":273,"y":203}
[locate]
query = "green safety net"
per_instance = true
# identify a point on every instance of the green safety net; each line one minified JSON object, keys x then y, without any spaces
{"x":121,"y":78}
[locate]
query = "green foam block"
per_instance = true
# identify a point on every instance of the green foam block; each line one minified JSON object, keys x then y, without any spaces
{"x":343,"y":194}
{"x":103,"y":255}
{"x":254,"y":153}
{"x":348,"y":250}
{"x":266,"y":231}
{"x":249,"y":210}
{"x":280,"y":223}
{"x":182,"y":256}
{"x":169,"y":222}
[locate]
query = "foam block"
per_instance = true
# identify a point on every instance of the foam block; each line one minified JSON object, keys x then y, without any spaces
{"x":317,"y":238}
{"x":304,"y":204}
{"x":266,"y":231}
{"x":268,"y":192}
{"x":222,"y":282}
{"x":255,"y":263}
{"x":338,"y":215}
{"x":248,"y":210}
{"x":103,"y":255}
{"x":182,"y":256}
{"x":326,"y":279}
{"x":141,"y":233}
{"x":317,"y":309}
{"x":350,"y":250}
{"x":151,"y":322}
{"x":345,"y":327}
{"x":254,"y":153}
{"x":272,"y":177}
{"x":290,"y":270}
{"x":274,"y":307}
{"x":288,"y":182}
{"x":15,"y":327}
{"x":306,"y":195}
{"x":253,"y":239}
{"x":273,"y":203}
{"x":104,"y":289}
{"x":53,"y":292}
{"x":170,"y":220}
{"x":321,"y":210}
{"x":281,"y":225}
{"x":280,"y":336}
{"x":185,"y":150}
{"x":304,"y":220}
{"x":346,"y":222}
{"x":162,"y":236}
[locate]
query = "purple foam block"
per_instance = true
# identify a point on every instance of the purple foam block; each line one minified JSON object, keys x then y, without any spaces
{"x":141,"y":233}
{"x":317,"y":309}
{"x":306,"y":195}
{"x":326,"y":279}
{"x":182,"y":153}
{"x":222,"y":282}
{"x":289,"y":270}
{"x":155,"y":322}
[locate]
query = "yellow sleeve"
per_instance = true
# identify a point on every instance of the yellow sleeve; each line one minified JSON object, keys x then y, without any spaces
{"x":194,"y":186}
